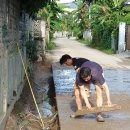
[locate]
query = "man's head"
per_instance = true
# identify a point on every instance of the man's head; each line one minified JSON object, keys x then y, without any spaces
{"x":66,"y":59}
{"x":85,"y":73}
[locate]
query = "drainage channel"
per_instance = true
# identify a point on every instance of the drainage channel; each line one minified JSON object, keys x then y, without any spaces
{"x":25,"y":116}
{"x":45,"y":96}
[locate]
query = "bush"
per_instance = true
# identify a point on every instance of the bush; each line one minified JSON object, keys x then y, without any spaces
{"x":50,"y":46}
{"x":31,"y":50}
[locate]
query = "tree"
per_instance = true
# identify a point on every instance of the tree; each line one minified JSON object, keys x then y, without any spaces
{"x":50,"y":14}
{"x":80,"y":19}
{"x":33,"y":6}
{"x":105,"y":18}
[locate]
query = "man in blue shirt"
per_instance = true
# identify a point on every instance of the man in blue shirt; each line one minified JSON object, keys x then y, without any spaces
{"x":91,"y":72}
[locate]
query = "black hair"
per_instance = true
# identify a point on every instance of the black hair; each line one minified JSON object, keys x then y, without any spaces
{"x":64,"y":58}
{"x":84,"y":72}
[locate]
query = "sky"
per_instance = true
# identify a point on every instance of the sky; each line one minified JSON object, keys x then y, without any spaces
{"x":65,"y":1}
{"x":71,"y":6}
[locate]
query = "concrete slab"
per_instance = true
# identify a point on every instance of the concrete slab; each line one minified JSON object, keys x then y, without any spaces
{"x":117,"y":120}
{"x":64,"y":78}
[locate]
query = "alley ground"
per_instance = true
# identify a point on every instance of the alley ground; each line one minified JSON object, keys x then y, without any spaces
{"x":72,"y":47}
{"x":117,"y":73}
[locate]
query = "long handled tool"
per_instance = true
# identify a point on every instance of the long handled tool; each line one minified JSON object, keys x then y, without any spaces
{"x":104,"y":108}
{"x":25,"y":69}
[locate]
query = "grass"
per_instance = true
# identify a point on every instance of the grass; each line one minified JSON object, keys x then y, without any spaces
{"x":50,"y":46}
{"x":105,"y":50}
{"x":88,"y":43}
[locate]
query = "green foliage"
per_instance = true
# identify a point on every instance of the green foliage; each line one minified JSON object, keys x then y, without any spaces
{"x":31,"y":49}
{"x":4,"y":30}
{"x":33,"y":6}
{"x":21,"y":115}
{"x":77,"y":20}
{"x":127,"y":8}
{"x":127,"y":18}
{"x":23,"y":121}
{"x":51,"y":14}
{"x":11,"y":47}
{"x":78,"y":33}
{"x":88,"y":1}
{"x":5,"y":35}
{"x":50,"y":45}
{"x":105,"y":50}
{"x":87,"y":42}
{"x":105,"y":18}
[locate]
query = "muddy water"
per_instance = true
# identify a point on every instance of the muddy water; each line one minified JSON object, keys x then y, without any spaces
{"x":44,"y":106}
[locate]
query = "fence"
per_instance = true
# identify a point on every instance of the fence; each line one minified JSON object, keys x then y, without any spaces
{"x":11,"y":70}
{"x":11,"y":83}
{"x":128,"y":37}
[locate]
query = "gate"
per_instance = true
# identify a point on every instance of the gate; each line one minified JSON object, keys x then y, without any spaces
{"x":128,"y":37}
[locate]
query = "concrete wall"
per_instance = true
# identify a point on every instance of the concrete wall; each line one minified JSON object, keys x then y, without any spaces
{"x":40,"y":37}
{"x":60,"y":34}
{"x":87,"y":35}
{"x":121,"y":39}
{"x":13,"y":29}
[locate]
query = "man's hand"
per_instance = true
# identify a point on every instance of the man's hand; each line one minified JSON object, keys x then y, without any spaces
{"x":109,"y":103}
{"x":89,"y":106}
{"x":105,"y":87}
{"x":84,"y":96}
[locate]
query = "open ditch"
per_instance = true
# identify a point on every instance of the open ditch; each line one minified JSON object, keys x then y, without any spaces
{"x":24,"y":115}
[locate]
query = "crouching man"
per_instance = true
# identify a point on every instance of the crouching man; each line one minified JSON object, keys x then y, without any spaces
{"x":91,"y":72}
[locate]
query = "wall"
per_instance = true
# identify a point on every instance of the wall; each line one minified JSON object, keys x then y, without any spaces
{"x":40,"y":37}
{"x":87,"y":34}
{"x":121,"y":39}
{"x":13,"y":29}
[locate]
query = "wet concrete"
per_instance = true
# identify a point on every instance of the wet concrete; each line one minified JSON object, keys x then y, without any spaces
{"x":64,"y":77}
{"x":118,"y":80}
{"x":117,"y":120}
{"x":119,"y":84}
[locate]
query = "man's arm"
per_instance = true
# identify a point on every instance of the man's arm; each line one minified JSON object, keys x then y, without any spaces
{"x":84,"y":96}
{"x":106,"y":89}
{"x":77,"y":69}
